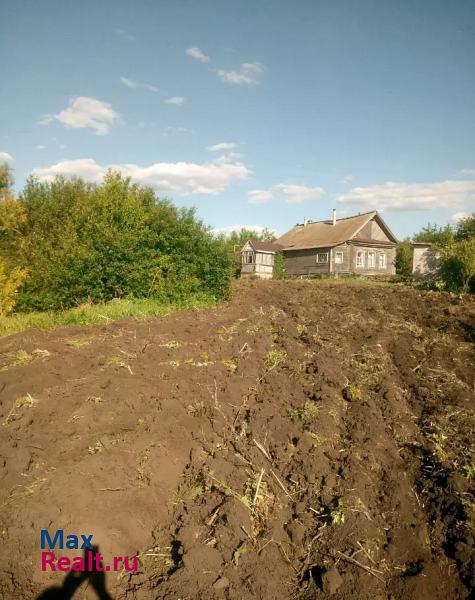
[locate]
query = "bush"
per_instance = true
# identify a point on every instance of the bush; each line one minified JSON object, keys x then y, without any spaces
{"x":279,"y":265}
{"x":9,"y":284}
{"x":85,"y":242}
{"x":457,"y":266}
{"x":403,"y":262}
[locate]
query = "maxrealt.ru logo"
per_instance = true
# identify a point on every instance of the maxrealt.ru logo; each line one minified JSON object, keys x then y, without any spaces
{"x":91,"y":560}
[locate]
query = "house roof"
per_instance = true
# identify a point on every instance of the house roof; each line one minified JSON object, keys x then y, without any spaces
{"x":323,"y":234}
{"x":265,"y":246}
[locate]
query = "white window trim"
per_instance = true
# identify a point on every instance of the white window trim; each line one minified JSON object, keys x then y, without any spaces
{"x":383,"y":256}
{"x":322,"y":262}
{"x":371,"y":255}
{"x":362,"y":254}
{"x":338,"y":257}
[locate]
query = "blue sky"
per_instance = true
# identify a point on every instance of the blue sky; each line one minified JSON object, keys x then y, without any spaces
{"x":257,"y":113}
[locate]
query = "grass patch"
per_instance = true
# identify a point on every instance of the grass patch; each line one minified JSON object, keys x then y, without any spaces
{"x":305,"y":413}
{"x":93,"y":314}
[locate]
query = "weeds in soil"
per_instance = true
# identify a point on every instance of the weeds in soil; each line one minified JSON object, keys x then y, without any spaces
{"x":96,"y":448}
{"x":78,"y":342}
{"x":352,"y":392}
{"x":18,"y":358}
{"x":27,"y":401}
{"x":231,"y":365}
{"x":305,"y":413}
{"x":274,"y":358}
{"x":23,"y":491}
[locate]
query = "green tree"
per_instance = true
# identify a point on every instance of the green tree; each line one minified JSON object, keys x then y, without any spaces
{"x":465,"y":228}
{"x":97,"y":242}
{"x":12,"y":218}
{"x":433,"y":234}
{"x":404,"y":255}
{"x":457,"y":265}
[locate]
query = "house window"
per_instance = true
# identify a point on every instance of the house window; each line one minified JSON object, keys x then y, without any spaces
{"x":249,"y":258}
{"x":382,"y":261}
{"x":371,"y":262}
{"x":322,"y":257}
{"x":360,"y":259}
{"x":338,"y":258}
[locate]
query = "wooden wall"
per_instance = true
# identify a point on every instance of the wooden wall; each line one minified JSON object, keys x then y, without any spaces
{"x":304,"y":262}
{"x":263,"y":265}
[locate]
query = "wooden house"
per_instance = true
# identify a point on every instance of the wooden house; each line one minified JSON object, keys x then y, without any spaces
{"x":257,"y":259}
{"x":362,"y":245}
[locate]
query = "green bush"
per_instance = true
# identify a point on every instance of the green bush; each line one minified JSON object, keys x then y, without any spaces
{"x":279,"y":265}
{"x":457,"y":266}
{"x":84,"y":242}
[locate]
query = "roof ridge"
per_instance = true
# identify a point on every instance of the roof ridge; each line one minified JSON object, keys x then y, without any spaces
{"x":370,"y":212}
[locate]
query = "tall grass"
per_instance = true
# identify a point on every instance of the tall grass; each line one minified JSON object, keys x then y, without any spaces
{"x":93,"y":314}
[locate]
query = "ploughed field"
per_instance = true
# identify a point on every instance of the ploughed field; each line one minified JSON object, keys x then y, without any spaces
{"x":304,"y":440}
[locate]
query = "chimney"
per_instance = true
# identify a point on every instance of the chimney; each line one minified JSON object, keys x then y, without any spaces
{"x":334,"y":216}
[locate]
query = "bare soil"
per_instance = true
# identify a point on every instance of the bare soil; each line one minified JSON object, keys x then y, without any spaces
{"x":302,"y":441}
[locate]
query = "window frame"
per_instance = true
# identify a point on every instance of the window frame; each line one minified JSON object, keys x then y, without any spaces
{"x":321,"y":262}
{"x":371,"y":259}
{"x":249,"y":254}
{"x":384,"y":261}
{"x":358,"y":254}
{"x":340,"y":254}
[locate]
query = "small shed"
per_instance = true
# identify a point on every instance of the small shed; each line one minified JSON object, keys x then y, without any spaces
{"x":257,"y":259}
{"x":425,"y":262}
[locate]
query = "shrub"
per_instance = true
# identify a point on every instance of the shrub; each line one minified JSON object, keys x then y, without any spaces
{"x":279,"y":265}
{"x":457,"y":266}
{"x":9,"y":284}
{"x":85,"y":242}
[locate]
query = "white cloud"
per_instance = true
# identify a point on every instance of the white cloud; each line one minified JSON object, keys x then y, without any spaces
{"x":175,"y":100}
{"x":131,"y":84}
{"x":260,"y":196}
{"x":40,"y":147}
{"x":410,"y":196}
{"x":170,"y":178}
{"x":125,"y":35}
{"x":128,"y":83}
{"x":458,"y":216}
{"x":84,"y":112}
{"x":247,"y":74}
{"x":469,"y":172}
{"x":221,"y":146}
{"x":197,"y":54}
{"x":5,"y":157}
{"x":231,"y":228}
{"x":149,"y":86}
{"x":295,"y":194}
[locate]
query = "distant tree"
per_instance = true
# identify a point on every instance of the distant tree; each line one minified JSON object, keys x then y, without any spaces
{"x":403,"y":262}
{"x":238,"y":238}
{"x":433,"y":234}
{"x":465,"y":228}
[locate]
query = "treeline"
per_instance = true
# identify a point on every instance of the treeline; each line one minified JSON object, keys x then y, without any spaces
{"x":456,"y":248}
{"x":67,"y":242}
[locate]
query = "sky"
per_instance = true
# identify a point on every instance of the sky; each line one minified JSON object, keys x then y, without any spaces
{"x":258,"y":113}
